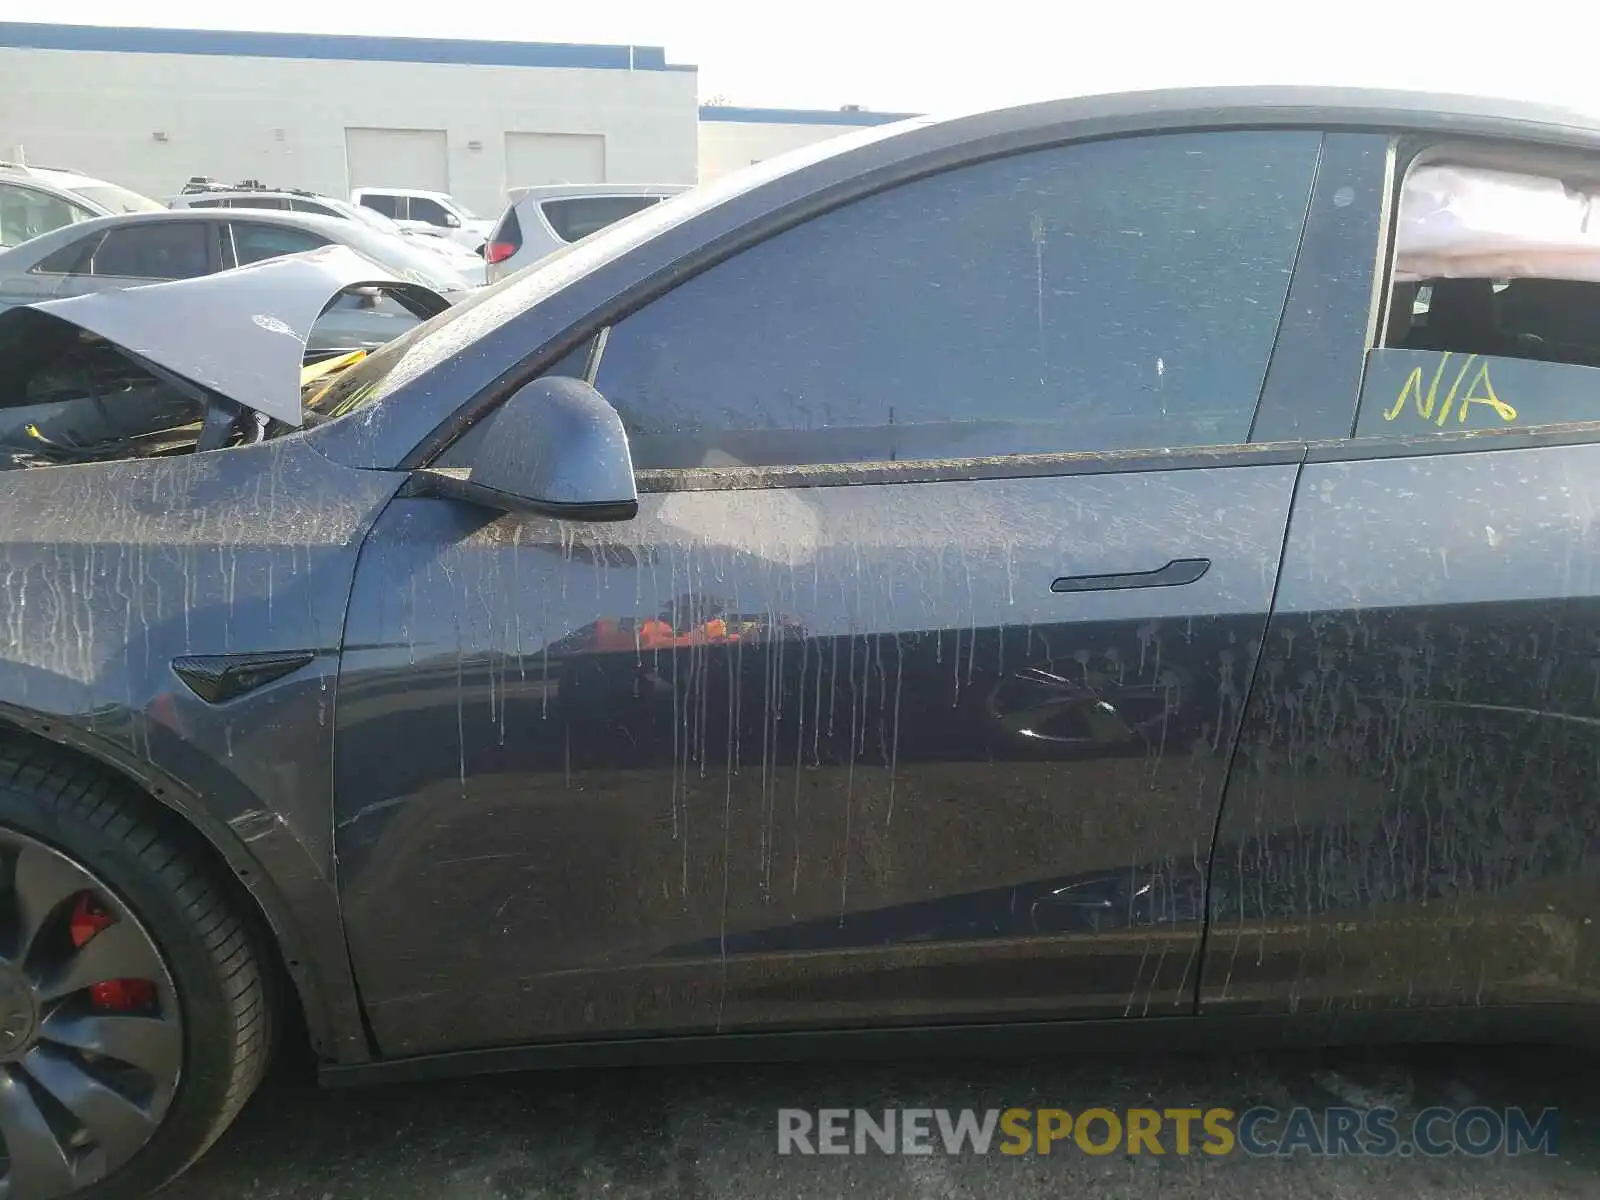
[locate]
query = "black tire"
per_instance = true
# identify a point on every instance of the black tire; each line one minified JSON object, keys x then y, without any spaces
{"x":147,"y":858}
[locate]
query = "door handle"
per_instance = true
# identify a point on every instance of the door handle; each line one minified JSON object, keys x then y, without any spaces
{"x":1175,"y":574}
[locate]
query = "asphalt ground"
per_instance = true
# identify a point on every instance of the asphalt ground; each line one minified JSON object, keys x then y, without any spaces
{"x":712,"y":1133}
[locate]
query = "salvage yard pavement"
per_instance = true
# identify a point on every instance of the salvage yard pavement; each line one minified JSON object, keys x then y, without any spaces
{"x":712,"y":1133}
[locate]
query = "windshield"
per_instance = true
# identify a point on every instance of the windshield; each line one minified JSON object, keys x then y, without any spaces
{"x":117,"y":199}
{"x":488,"y":308}
{"x":411,"y":263}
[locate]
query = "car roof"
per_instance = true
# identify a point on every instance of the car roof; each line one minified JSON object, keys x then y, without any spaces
{"x":1280,"y":106}
{"x":63,"y":176}
{"x":188,"y":198}
{"x":334,"y":228}
{"x":284,"y":193}
{"x":56,"y":183}
{"x":560,"y":191}
{"x":402,"y":191}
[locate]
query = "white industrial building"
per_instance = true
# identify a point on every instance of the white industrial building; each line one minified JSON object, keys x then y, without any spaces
{"x":732,"y":137}
{"x":148,"y":108}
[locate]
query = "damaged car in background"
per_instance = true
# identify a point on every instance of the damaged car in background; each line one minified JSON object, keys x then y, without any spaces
{"x":1123,"y":570}
{"x":195,"y":365}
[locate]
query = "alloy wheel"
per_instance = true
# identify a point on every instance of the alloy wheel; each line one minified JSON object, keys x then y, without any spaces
{"x":91,"y":1037}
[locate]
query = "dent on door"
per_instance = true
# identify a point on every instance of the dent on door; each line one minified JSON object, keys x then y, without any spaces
{"x":790,"y":757}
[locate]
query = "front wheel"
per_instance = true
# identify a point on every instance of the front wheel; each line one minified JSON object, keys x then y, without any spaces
{"x":133,"y":1017}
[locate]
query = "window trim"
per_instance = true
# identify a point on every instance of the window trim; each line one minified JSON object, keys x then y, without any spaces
{"x":598,"y":321}
{"x":1320,"y":308}
{"x":1453,"y":441}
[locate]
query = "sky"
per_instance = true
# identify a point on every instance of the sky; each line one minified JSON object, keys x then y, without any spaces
{"x":949,"y":57}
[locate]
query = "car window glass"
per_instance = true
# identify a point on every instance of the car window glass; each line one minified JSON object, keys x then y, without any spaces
{"x":26,"y":213}
{"x":207,"y":204}
{"x":1494,"y":313}
{"x":254,"y":243}
{"x":164,"y":250}
{"x":580,"y":216}
{"x":71,"y":259}
{"x":389,"y":206}
{"x":431,"y":211}
{"x":1107,"y":296}
{"x":1408,"y":392}
{"x":311,"y":206}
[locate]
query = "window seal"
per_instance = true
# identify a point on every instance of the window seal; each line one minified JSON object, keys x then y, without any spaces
{"x":968,"y":470}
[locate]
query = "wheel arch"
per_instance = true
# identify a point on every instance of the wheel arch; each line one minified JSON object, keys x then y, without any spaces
{"x":289,"y":902}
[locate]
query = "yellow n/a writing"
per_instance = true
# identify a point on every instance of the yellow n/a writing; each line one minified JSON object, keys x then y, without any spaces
{"x":1479,"y":391}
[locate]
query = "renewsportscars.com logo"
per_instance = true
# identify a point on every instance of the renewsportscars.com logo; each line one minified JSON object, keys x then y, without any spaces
{"x":1260,"y":1132}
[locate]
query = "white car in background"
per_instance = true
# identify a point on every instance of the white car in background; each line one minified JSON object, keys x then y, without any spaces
{"x":37,"y":200}
{"x":543,"y":219}
{"x":419,"y":211}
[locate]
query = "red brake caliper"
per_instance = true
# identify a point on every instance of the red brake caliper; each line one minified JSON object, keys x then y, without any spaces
{"x":113,"y":995}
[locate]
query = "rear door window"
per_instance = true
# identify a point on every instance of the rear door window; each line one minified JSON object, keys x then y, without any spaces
{"x":1107,"y":296}
{"x":71,"y":259}
{"x":311,"y":206}
{"x":254,"y":242}
{"x":579,"y":216}
{"x":156,"y":250}
{"x":1494,"y":314}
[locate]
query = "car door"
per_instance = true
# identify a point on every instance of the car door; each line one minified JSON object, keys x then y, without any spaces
{"x":1414,"y":814}
{"x":909,"y":694}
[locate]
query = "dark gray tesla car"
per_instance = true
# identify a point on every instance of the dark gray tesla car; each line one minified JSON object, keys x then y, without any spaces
{"x":1064,"y":570}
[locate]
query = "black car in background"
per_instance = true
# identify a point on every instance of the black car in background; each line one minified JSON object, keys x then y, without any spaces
{"x":1062,"y":569}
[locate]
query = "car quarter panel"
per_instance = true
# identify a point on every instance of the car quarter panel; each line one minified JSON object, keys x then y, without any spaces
{"x":108,"y":572}
{"x":1414,"y":815}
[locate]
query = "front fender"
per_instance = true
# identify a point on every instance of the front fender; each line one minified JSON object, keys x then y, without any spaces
{"x":110,"y":571}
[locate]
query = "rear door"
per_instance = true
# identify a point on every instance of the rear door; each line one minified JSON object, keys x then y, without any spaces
{"x":1414,"y":815}
{"x":910,"y":693}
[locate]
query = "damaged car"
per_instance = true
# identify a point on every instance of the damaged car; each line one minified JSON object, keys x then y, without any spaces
{"x":195,"y":365}
{"x":1120,"y":570}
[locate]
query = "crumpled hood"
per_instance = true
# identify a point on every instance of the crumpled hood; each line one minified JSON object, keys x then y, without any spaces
{"x":241,"y":333}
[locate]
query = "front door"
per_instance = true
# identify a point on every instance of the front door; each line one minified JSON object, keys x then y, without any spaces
{"x":909,"y":694}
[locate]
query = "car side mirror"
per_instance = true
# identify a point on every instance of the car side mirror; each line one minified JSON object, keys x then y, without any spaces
{"x":452,"y":221}
{"x":555,"y":448}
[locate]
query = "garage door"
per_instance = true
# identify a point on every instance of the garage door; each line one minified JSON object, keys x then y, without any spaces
{"x":535,"y":158}
{"x":410,"y":158}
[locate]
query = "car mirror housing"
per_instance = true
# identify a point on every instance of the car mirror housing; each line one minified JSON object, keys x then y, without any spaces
{"x":556,"y":448}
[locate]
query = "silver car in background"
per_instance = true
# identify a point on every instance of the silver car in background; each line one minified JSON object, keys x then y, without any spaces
{"x":464,"y":262}
{"x":541,"y":220}
{"x":130,"y":251}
